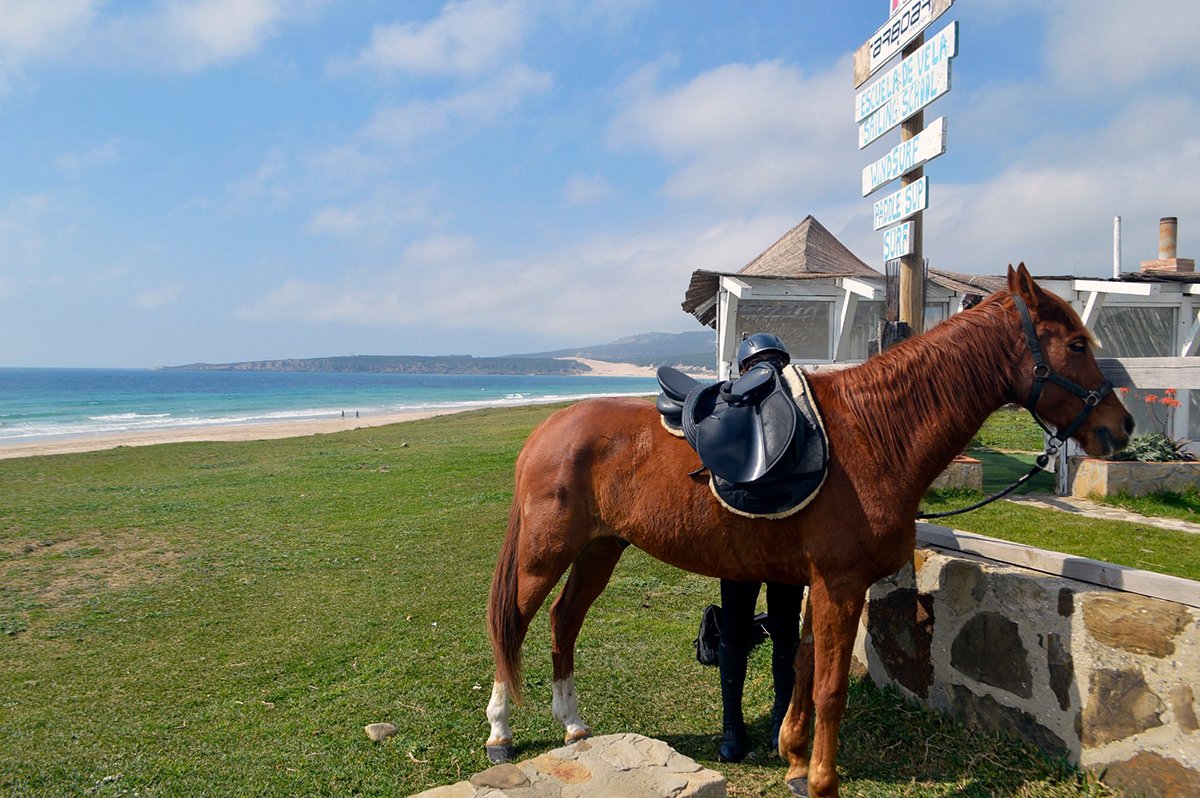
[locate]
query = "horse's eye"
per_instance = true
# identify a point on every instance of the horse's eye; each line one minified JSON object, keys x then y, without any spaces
{"x":1078,"y":346}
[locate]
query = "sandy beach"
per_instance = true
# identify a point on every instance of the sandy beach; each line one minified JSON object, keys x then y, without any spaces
{"x":259,"y":432}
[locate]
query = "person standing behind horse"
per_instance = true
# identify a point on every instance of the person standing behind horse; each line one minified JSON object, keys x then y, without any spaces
{"x":738,"y":603}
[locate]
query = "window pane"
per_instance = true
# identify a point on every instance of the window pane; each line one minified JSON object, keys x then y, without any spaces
{"x":803,"y":326}
{"x":1135,"y":331}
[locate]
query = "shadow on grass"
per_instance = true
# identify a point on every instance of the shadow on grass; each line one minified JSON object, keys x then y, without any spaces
{"x":1001,"y":469}
{"x":890,"y":747}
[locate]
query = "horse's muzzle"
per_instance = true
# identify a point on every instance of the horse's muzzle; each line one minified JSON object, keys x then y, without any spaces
{"x":1113,"y":442}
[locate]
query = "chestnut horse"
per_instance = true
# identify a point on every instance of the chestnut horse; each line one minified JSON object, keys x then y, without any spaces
{"x":604,"y":473}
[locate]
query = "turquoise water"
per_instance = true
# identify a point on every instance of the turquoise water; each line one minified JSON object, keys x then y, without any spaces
{"x":49,"y":404}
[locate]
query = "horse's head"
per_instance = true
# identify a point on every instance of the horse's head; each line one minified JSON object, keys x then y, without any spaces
{"x":1058,"y":379}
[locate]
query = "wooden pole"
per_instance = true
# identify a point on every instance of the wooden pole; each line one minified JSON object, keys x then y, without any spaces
{"x":912,"y":273}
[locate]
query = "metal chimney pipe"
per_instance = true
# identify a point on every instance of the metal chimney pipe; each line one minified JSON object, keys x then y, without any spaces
{"x":1168,"y":228}
{"x":1116,"y":247}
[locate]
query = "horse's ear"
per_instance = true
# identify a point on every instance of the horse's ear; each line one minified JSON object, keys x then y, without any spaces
{"x":1020,"y":281}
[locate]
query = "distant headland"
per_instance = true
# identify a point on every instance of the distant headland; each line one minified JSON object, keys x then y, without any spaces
{"x":691,"y":350}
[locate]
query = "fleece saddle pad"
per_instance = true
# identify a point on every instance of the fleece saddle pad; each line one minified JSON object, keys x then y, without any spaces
{"x":761,"y":437}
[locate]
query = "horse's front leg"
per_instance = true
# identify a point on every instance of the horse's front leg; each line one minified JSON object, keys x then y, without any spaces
{"x":794,"y":734}
{"x":835,"y":610}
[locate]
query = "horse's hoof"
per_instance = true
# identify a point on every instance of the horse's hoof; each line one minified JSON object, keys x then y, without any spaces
{"x":499,"y":754}
{"x":577,"y":735}
{"x":798,"y":787}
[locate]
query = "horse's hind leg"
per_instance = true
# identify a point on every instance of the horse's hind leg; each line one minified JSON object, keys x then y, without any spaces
{"x":589,"y":575}
{"x":795,"y":734}
{"x":523,"y":580}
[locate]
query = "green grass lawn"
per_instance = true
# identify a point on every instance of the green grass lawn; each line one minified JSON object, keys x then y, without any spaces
{"x":224,"y":618}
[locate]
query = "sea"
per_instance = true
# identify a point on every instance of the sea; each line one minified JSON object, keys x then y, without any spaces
{"x":48,"y":404}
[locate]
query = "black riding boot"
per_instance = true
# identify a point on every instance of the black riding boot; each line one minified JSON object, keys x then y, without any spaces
{"x":783,"y":673}
{"x":732,"y":664}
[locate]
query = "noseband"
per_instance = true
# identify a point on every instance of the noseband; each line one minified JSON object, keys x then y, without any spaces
{"x":1042,"y":373}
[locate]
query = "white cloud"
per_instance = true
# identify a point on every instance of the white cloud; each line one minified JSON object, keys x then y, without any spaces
{"x":400,"y":126}
{"x":31,"y":31}
{"x":100,"y":155}
{"x":599,"y":286}
{"x":375,"y":219}
{"x":744,"y":132}
{"x":466,"y":38}
{"x":440,"y":249}
{"x":190,"y":35}
{"x":586,"y":189}
{"x":1053,"y":207}
{"x":153,"y":298}
{"x":1095,"y":45}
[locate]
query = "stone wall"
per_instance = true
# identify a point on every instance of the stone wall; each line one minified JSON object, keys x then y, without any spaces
{"x":963,"y":472}
{"x":1088,"y":476}
{"x":1104,"y":677}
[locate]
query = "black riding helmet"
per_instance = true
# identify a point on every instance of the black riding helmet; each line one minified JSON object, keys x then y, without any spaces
{"x":759,"y":347}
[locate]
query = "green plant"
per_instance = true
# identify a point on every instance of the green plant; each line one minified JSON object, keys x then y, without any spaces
{"x":1157,"y":447}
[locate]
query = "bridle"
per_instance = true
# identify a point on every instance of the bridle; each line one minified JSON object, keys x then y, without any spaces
{"x":1042,"y":373}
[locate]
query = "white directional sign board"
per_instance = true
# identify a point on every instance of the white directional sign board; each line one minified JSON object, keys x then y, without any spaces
{"x":914,"y":97}
{"x":901,"y":204}
{"x":910,"y":19}
{"x":941,"y":47}
{"x":906,"y":156}
{"x":898,"y":241}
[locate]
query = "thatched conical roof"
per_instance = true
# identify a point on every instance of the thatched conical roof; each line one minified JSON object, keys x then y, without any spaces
{"x":807,"y":251}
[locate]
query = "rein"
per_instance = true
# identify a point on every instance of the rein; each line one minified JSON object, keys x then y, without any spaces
{"x":1042,"y":373}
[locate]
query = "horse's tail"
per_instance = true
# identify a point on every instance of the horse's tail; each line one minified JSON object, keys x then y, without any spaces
{"x":504,"y":616}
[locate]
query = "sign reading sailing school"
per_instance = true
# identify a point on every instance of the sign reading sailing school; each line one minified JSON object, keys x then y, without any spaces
{"x":898,"y":241}
{"x":902,"y":204}
{"x":917,"y":94}
{"x":909,"y":19}
{"x":906,"y":156}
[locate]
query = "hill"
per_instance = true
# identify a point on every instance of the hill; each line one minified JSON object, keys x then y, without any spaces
{"x":404,"y":364}
{"x":696,"y":349}
{"x":690,"y":349}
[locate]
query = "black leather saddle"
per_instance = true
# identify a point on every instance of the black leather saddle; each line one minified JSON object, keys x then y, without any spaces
{"x":760,"y":436}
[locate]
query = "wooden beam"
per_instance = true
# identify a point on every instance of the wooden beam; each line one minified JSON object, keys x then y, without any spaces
{"x":1152,"y":372}
{"x":1130,"y":289}
{"x":862,"y":289}
{"x":841,"y":335}
{"x":1118,"y":577}
{"x":736,"y":287}
{"x":1091,"y":308}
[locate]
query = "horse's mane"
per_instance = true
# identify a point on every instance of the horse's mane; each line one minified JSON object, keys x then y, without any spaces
{"x":956,"y":369}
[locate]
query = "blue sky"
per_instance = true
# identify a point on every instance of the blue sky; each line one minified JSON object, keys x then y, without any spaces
{"x":217,"y":180}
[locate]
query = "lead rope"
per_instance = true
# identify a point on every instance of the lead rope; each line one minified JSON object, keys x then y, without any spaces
{"x":1039,"y":465}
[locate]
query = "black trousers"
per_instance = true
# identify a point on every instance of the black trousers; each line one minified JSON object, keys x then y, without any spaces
{"x":738,"y":601}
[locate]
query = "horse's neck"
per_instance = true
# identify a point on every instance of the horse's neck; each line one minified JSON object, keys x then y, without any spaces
{"x":921,"y":403}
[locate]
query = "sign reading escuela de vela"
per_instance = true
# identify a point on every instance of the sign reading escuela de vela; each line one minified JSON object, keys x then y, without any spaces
{"x":899,"y":94}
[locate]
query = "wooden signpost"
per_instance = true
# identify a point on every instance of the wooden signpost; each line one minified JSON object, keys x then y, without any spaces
{"x":899,"y":98}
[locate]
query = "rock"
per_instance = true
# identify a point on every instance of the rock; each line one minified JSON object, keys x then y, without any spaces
{"x":901,"y":629}
{"x":1120,"y":704}
{"x":1153,"y":776}
{"x":989,"y":714}
{"x":989,"y":649}
{"x":1061,"y":666}
{"x":500,"y":777}
{"x":1135,"y":623}
{"x":379,"y":731}
{"x":1183,"y":705}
